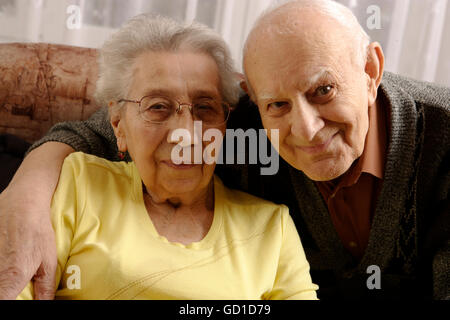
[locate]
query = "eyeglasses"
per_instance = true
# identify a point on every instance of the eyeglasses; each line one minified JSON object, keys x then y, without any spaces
{"x":159,"y":109}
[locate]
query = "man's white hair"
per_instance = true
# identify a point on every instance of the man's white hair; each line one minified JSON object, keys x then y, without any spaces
{"x":147,"y":32}
{"x":340,"y":13}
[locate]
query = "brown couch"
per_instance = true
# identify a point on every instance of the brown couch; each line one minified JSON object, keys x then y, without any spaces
{"x":42,"y":84}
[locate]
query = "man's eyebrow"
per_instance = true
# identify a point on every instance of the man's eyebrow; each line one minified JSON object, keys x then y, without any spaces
{"x":311,"y":81}
{"x":265,"y":96}
{"x":321,"y":74}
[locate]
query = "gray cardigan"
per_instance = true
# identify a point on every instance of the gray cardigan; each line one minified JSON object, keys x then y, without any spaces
{"x":409,"y":238}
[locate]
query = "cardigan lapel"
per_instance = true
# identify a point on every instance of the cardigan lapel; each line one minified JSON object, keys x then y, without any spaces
{"x":399,"y":170}
{"x":315,"y":214}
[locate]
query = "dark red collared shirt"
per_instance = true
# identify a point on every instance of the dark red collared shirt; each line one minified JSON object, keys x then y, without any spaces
{"x":351,"y":198}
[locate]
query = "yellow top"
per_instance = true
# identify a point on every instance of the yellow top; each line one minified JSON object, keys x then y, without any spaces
{"x":108,"y":247}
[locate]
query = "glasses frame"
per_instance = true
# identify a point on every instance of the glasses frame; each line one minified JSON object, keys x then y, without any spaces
{"x":226,"y":106}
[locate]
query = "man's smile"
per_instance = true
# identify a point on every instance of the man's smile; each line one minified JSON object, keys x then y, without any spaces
{"x":317,"y":148}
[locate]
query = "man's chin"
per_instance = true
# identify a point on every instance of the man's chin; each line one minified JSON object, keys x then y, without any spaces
{"x":325,"y":171}
{"x":322,"y":178}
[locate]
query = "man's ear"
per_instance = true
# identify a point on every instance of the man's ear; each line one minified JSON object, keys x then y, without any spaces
{"x":374,"y":69}
{"x":116,"y":120}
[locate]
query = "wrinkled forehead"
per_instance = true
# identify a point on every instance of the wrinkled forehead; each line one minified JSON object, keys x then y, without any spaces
{"x":275,"y":54}
{"x":291,"y":58}
{"x":300,"y":37}
{"x":175,"y":72}
{"x":293,"y":18}
{"x":153,"y":64}
{"x":301,"y":31}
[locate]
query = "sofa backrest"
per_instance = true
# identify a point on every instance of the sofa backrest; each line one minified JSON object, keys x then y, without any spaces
{"x":42,"y":84}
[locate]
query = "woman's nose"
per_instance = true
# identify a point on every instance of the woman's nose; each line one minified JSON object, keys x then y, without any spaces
{"x":184,"y":130}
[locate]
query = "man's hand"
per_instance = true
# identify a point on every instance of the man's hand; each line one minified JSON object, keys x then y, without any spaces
{"x":27,"y":240}
{"x":27,"y":247}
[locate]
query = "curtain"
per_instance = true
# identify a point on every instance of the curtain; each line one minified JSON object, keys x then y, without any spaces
{"x":414,"y":34}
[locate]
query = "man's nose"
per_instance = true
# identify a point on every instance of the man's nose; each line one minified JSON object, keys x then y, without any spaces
{"x":305,"y":120}
{"x":184,"y":120}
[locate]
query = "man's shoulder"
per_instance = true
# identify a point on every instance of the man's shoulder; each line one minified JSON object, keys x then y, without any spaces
{"x":425,"y":108}
{"x":430,"y":95}
{"x":431,"y":105}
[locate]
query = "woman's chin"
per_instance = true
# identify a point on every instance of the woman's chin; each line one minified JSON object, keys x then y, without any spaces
{"x":181,"y":175}
{"x":183,"y":181}
{"x":179,"y":183}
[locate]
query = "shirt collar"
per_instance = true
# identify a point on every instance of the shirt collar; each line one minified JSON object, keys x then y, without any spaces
{"x":373,"y":157}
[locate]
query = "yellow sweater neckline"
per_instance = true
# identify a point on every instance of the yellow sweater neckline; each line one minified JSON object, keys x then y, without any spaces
{"x":213,"y":231}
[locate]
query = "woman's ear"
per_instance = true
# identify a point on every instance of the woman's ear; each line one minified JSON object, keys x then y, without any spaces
{"x":374,"y":69}
{"x":244,"y":87}
{"x":116,"y":119}
{"x":241,"y":78}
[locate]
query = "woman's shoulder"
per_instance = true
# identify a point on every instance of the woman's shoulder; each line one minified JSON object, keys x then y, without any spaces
{"x":87,"y":164}
{"x":247,"y":206}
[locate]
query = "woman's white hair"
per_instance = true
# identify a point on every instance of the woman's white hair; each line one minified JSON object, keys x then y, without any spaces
{"x":148,"y":32}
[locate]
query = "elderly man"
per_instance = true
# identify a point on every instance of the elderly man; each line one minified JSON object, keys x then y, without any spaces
{"x":365,"y":169}
{"x":369,"y":164}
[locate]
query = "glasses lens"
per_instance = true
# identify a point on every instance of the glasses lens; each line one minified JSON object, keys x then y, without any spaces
{"x":210,"y":112}
{"x":156,"y":109}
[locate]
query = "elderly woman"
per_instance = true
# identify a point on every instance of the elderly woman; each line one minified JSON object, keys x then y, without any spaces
{"x":155,"y":228}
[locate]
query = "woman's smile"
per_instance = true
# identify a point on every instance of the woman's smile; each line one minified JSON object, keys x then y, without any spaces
{"x":180,"y":166}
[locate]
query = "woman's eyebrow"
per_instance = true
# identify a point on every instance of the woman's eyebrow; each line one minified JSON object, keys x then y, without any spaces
{"x":196,"y":94}
{"x":158,"y":92}
{"x":205,"y":94}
